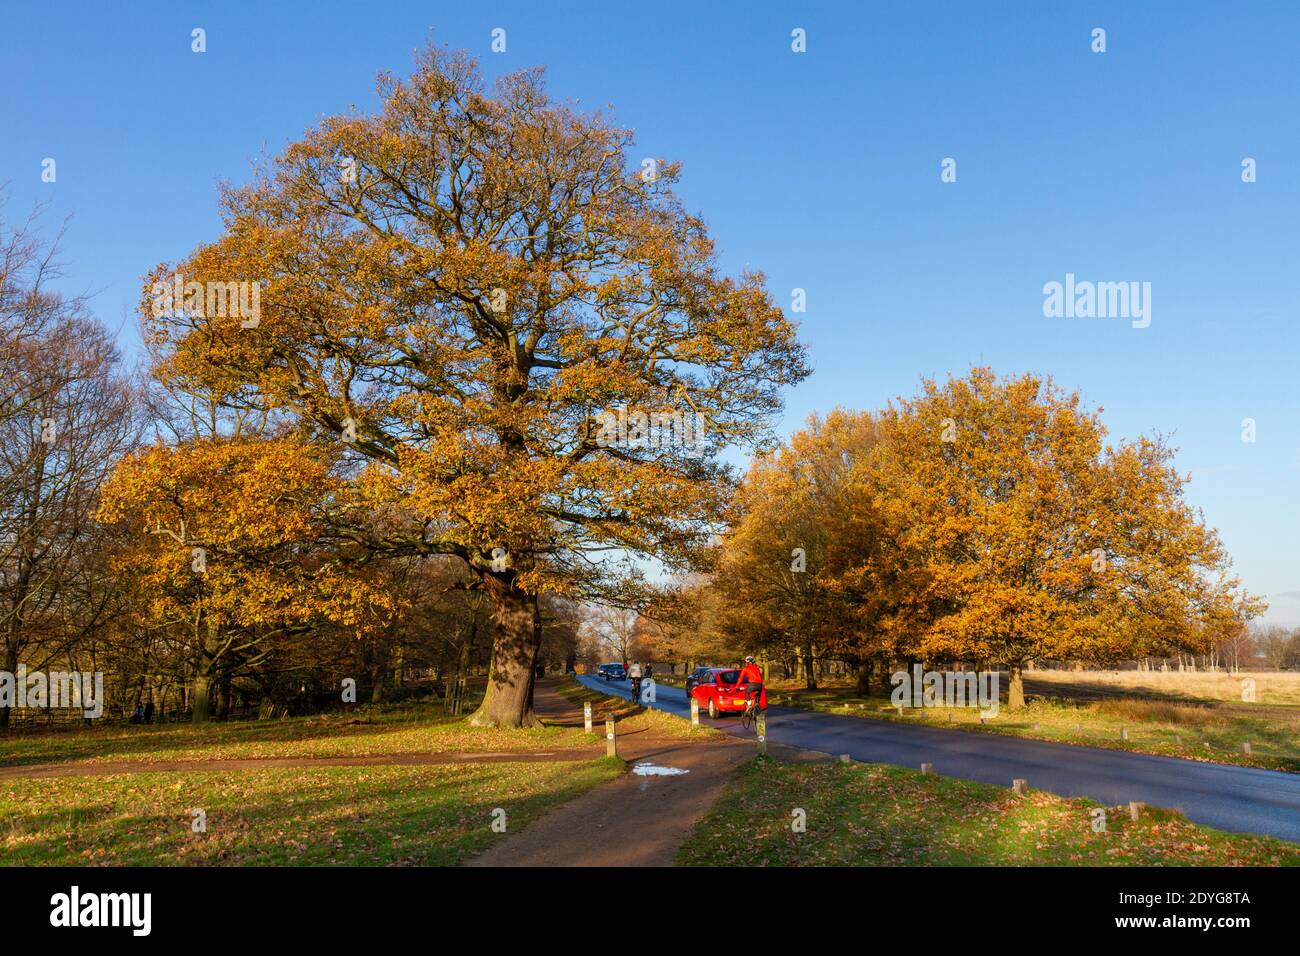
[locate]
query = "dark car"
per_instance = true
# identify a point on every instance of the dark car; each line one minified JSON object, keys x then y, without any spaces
{"x":701,"y":675}
{"x":612,"y":672}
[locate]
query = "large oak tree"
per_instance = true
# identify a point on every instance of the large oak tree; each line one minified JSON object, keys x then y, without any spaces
{"x":457,"y":288}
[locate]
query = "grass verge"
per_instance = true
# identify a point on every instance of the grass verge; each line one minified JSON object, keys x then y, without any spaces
{"x":373,"y":816}
{"x":1193,"y":730}
{"x":878,"y":815}
{"x":369,"y":730}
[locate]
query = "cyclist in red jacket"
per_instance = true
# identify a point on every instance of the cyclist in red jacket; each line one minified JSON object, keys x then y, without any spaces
{"x":751,"y":678}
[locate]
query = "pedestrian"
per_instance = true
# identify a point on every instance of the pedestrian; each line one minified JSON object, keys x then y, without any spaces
{"x":138,"y":716}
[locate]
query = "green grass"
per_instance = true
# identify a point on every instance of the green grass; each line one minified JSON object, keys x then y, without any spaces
{"x":1205,"y":731}
{"x":433,"y":816}
{"x":878,"y":815}
{"x":368,"y":730}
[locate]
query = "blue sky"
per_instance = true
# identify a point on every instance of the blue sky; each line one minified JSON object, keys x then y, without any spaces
{"x":821,"y":169}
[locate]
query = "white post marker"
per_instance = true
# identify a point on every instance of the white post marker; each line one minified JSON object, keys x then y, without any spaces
{"x":761,"y":726}
{"x":586,"y":716}
{"x":695,"y":711}
{"x":611,"y":745}
{"x":1020,"y":786}
{"x":927,"y":768}
{"x":1135,"y":809}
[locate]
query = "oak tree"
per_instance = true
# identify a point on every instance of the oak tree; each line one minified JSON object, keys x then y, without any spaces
{"x":463,"y":289}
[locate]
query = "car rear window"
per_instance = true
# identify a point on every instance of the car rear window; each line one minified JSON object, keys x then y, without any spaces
{"x":729,"y":677}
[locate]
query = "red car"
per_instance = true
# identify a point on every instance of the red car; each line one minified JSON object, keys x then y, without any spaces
{"x":721,"y":694}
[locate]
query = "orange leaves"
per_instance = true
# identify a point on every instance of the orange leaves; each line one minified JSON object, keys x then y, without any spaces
{"x":231,"y":530}
{"x":467,"y":278}
{"x":986,"y":519}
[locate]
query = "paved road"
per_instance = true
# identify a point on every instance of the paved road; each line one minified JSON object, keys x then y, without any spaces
{"x":1235,"y":799}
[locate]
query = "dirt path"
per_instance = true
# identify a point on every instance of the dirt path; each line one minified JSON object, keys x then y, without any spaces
{"x":631,"y":821}
{"x":105,"y":768}
{"x":635,"y":820}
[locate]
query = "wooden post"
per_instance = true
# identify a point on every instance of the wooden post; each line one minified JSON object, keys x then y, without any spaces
{"x":1123,"y":733}
{"x":1245,"y":748}
{"x":1135,"y":809}
{"x":695,"y":711}
{"x":586,"y":716}
{"x":1020,"y":786}
{"x":845,"y":758}
{"x":927,"y":768}
{"x":760,"y":725}
{"x":611,"y":745}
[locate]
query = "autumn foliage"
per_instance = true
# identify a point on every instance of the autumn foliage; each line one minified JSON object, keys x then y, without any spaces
{"x":453,"y":291}
{"x":983,"y":520}
{"x":226,"y":544}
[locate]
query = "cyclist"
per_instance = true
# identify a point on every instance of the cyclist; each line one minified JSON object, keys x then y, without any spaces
{"x":634,"y":675}
{"x":751,"y":678}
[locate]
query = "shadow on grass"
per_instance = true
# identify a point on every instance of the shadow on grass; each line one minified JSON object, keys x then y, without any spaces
{"x":393,"y":816}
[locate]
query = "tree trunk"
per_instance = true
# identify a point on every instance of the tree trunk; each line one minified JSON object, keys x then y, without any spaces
{"x":508,"y":700}
{"x":886,"y":676}
{"x":1016,"y":692}
{"x":223,"y":697}
{"x":865,"y":669}
{"x":199,"y":694}
{"x":537,"y":643}
{"x":11,"y":666}
{"x":809,"y":668}
{"x":204,"y":669}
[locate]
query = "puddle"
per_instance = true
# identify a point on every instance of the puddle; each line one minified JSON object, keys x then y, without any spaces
{"x":650,"y":770}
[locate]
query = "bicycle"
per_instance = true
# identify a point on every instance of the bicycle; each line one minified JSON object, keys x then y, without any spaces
{"x":749,"y":716}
